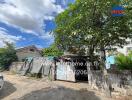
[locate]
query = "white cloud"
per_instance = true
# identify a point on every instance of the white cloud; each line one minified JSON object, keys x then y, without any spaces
{"x":6,"y":37}
{"x":49,"y":37}
{"x":29,"y":15}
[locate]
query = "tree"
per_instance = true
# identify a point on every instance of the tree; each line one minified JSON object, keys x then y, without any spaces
{"x":90,"y":23}
{"x":7,"y":56}
{"x":52,"y":51}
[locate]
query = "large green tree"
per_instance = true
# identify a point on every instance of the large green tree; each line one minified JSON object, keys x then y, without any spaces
{"x":7,"y":56}
{"x":89,"y":23}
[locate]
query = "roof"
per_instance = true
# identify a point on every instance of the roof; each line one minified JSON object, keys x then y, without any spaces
{"x":28,"y":47}
{"x":70,"y":55}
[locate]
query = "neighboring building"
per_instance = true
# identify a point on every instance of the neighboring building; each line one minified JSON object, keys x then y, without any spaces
{"x":127,"y":48}
{"x":124,"y":50}
{"x":110,"y":55}
{"x":26,"y":52}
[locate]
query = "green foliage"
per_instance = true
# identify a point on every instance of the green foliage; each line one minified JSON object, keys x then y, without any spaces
{"x":124,"y":62}
{"x":90,"y":23}
{"x":130,"y":53}
{"x":7,"y":56}
{"x":52,"y":51}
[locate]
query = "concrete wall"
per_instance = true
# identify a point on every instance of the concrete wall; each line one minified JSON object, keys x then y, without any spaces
{"x":120,"y":82}
{"x":16,"y":66}
{"x":23,"y":55}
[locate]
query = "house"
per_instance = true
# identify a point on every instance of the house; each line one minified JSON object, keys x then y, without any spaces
{"x":26,"y":52}
{"x":127,"y":48}
{"x":111,"y":54}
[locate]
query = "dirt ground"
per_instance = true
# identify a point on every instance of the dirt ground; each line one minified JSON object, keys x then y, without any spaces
{"x":23,"y":88}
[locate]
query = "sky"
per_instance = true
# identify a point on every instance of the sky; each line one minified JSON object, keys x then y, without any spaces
{"x":29,"y":22}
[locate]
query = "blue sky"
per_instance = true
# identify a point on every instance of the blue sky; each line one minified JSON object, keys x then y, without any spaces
{"x":29,"y":22}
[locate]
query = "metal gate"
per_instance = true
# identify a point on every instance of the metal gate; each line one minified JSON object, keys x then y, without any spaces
{"x":65,"y":72}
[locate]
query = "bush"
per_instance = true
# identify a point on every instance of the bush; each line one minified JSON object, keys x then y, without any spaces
{"x":124,"y":62}
{"x":52,"y":51}
{"x":7,"y":56}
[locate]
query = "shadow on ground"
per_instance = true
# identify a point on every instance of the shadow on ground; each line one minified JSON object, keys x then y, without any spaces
{"x":8,"y":89}
{"x":60,"y":93}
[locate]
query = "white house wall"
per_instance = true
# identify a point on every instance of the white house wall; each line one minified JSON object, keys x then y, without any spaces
{"x":124,"y":50}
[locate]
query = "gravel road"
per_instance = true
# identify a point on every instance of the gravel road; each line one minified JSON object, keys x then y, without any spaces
{"x":22,"y":88}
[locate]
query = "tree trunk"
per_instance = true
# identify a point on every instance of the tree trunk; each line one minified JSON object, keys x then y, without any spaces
{"x":107,"y":81}
{"x":103,"y":58}
{"x":91,"y":55}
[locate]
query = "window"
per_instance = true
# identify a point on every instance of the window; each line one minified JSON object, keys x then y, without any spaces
{"x":32,"y":50}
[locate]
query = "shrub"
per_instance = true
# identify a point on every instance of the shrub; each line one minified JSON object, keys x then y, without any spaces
{"x":7,"y":56}
{"x":124,"y":62}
